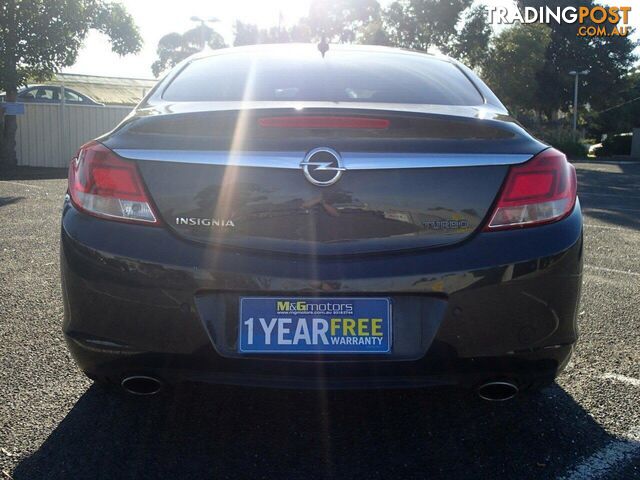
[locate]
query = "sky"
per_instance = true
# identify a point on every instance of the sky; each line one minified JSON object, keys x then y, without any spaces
{"x":156,"y":18}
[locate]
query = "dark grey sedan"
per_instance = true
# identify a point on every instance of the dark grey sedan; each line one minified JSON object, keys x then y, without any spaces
{"x":363,"y":218}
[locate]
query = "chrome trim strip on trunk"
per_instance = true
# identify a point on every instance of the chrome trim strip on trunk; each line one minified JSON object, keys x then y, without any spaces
{"x":350,"y":160}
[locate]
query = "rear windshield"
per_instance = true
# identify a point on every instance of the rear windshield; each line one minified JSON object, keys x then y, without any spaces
{"x":340,"y":77}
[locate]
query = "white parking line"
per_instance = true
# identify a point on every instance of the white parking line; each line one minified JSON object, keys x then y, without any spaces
{"x":613,"y":270}
{"x":22,"y":184}
{"x":606,"y":227}
{"x":622,"y":378}
{"x":609,"y":162}
{"x":614,"y":195}
{"x":610,"y":209}
{"x":612,"y":456}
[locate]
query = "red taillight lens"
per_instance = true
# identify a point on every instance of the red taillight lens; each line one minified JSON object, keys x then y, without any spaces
{"x":319,"y":121}
{"x":103,"y":184}
{"x":543,"y":190}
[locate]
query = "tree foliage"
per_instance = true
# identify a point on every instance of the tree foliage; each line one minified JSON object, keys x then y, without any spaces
{"x":250,"y":34}
{"x":341,"y":21}
{"x":175,"y":47}
{"x":375,"y":33}
{"x":623,"y":115}
{"x":515,"y":59}
{"x":607,"y":59}
{"x":471,"y":44}
{"x":39,"y":37}
{"x":421,"y":24}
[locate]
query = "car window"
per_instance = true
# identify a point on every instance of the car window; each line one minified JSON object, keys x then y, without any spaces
{"x":47,"y":93}
{"x":340,"y":77}
{"x":70,"y":96}
{"x":30,"y":94}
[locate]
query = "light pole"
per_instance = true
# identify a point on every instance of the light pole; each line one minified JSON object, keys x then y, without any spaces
{"x":576,"y":74}
{"x":203,"y":23}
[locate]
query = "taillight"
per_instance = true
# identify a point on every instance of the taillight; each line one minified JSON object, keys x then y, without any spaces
{"x":543,"y":190}
{"x":105,"y":185}
{"x":322,"y":121}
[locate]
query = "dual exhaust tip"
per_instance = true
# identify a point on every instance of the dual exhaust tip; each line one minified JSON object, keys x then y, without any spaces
{"x":494,"y":391}
{"x":497,"y":391}
{"x":141,"y":385}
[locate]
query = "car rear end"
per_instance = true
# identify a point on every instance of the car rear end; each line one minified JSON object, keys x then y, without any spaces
{"x":271,"y":217}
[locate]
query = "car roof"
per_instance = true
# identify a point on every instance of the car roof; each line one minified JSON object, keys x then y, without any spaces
{"x":307,"y":49}
{"x":28,"y":87}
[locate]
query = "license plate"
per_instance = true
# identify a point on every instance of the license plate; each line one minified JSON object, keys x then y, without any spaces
{"x":315,"y":325}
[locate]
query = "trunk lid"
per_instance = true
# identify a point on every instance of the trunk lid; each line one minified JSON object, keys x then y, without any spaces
{"x":231,"y":178}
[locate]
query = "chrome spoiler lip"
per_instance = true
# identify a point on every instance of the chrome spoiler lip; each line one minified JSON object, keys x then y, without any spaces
{"x":350,"y":160}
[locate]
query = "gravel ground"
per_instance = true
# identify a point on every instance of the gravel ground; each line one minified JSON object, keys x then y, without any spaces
{"x":55,"y":424}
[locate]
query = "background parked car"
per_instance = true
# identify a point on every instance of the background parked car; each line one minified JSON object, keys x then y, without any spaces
{"x":51,"y":94}
{"x":619,"y":144}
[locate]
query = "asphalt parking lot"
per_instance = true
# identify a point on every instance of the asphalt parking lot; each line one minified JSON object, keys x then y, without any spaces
{"x":54,"y":424}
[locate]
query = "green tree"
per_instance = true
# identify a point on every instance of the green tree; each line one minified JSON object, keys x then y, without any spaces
{"x":245,"y":34}
{"x":175,"y":47}
{"x":623,"y":115}
{"x":420,"y":24}
{"x":374,"y":33}
{"x":515,"y":58}
{"x":341,"y":20}
{"x":608,"y":60}
{"x":471,"y":44}
{"x":39,"y":37}
{"x":250,"y":34}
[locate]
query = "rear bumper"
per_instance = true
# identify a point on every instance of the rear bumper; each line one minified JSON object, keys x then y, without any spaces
{"x":138,"y":300}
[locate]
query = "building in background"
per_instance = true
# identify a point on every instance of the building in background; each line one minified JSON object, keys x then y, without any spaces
{"x":106,"y":90}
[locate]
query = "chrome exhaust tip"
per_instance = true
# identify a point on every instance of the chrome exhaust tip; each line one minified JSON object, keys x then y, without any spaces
{"x":141,"y":385}
{"x":497,"y":391}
